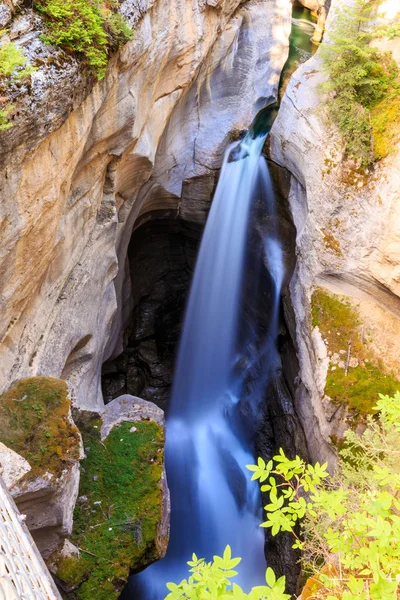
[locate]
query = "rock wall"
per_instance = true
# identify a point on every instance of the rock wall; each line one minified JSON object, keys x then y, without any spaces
{"x":347,"y":232}
{"x":84,"y":161}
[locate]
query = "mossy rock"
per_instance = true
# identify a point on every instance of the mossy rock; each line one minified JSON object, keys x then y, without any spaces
{"x":385,"y":123}
{"x":35,"y":422}
{"x":119,"y":510}
{"x":339,"y":323}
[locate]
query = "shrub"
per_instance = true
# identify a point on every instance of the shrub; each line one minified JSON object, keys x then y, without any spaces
{"x":350,"y":525}
{"x":85,"y":26}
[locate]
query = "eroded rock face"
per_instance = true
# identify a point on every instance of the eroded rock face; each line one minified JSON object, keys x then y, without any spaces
{"x":141,"y":140}
{"x":347,"y":232}
{"x":48,"y":503}
{"x":13,"y":466}
{"x":36,"y":424}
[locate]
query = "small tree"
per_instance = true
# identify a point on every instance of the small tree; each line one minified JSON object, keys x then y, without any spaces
{"x":359,"y":75}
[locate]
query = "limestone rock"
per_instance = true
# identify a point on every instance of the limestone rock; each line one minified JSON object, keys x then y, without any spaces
{"x":48,"y":504}
{"x":12,"y":466}
{"x":85,"y":160}
{"x":322,"y":359}
{"x":347,"y":236}
{"x":128,"y":408}
{"x":5,"y":15}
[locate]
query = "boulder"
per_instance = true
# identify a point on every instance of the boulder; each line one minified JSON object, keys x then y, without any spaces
{"x":36,"y":424}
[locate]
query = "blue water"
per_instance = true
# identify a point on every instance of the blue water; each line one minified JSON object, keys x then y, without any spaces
{"x":213,"y":501}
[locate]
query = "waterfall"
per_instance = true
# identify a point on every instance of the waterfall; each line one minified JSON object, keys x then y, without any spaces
{"x":213,"y":501}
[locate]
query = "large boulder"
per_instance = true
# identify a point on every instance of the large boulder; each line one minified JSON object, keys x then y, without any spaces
{"x":39,"y":454}
{"x":121,"y":521}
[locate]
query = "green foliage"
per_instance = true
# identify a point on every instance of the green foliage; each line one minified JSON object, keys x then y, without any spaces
{"x":4,"y":122}
{"x":115,"y":526}
{"x":390,"y":31}
{"x":11,"y":57}
{"x":13,"y":67}
{"x":340,"y":323}
{"x":351,"y":521}
{"x":11,"y":61}
{"x":213,"y":580}
{"x":359,"y":77}
{"x":88,"y":27}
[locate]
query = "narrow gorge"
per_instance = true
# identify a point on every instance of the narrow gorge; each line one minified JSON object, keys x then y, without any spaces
{"x":196,"y":273}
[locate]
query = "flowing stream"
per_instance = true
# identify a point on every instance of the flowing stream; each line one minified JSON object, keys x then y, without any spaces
{"x":213,"y":501}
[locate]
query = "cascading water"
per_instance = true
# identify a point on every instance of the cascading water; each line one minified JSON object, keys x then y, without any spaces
{"x":213,"y":501}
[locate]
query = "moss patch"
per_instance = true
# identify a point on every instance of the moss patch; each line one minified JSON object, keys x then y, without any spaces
{"x":385,"y":121}
{"x":339,"y":323}
{"x":115,"y":526}
{"x":34,"y":422}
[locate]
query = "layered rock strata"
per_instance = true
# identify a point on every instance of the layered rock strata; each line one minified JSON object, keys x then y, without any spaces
{"x":143,"y":139}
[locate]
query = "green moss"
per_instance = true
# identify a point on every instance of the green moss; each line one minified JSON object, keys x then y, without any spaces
{"x":340,"y":323}
{"x":34,"y":422}
{"x":361,"y":387}
{"x":385,"y":121}
{"x":4,"y":121}
{"x":11,"y":57}
{"x":72,"y":570}
{"x":92,"y":28}
{"x":116,"y":527}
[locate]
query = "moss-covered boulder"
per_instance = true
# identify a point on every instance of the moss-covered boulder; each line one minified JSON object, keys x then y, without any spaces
{"x":35,"y":422}
{"x":356,"y":375}
{"x":121,"y":517}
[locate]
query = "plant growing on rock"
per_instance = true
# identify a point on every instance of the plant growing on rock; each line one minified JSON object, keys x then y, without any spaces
{"x":359,"y":77}
{"x":13,"y":66}
{"x":350,"y":522}
{"x":92,"y":28}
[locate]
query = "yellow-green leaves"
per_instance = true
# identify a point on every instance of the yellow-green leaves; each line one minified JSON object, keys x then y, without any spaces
{"x":212,"y":581}
{"x":287,"y":503}
{"x":11,"y":59}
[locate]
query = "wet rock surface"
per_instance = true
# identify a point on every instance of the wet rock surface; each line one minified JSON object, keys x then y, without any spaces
{"x":162,"y":255}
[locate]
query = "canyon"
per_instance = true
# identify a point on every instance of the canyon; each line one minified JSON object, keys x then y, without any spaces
{"x":105,"y":190}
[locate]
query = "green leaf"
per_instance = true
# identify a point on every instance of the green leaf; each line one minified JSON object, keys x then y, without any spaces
{"x":270,"y":577}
